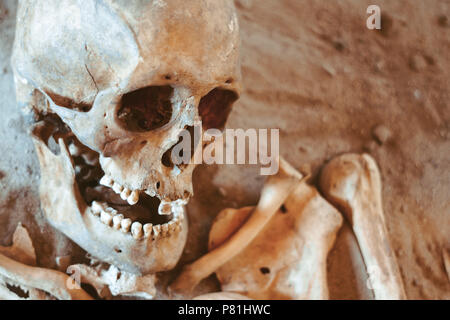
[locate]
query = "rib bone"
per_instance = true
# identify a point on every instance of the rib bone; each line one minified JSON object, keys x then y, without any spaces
{"x":33,"y":279}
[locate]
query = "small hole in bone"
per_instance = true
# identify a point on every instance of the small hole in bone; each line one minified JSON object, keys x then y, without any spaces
{"x":158,"y":185}
{"x":215,"y":107}
{"x":283,"y":209}
{"x":117,"y":250}
{"x":264,"y":270}
{"x":167,"y":77}
{"x":146,"y":109}
{"x":143,"y":143}
{"x":229,"y":81}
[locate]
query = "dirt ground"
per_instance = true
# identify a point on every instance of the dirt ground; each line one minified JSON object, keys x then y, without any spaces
{"x":312,"y":69}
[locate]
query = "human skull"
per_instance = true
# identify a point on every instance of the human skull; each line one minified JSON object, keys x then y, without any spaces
{"x":113,"y":84}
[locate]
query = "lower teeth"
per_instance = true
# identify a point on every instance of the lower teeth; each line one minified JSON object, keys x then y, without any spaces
{"x":110,"y":217}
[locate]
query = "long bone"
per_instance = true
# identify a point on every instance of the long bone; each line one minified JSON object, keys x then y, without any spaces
{"x":21,"y":250}
{"x":17,"y":267}
{"x":51,"y":281}
{"x":352,"y":183}
{"x":275,"y":191}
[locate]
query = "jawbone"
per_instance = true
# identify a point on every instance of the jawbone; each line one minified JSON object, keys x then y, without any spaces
{"x":66,"y":210}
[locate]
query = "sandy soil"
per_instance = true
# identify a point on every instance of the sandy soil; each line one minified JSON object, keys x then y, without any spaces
{"x":312,"y":69}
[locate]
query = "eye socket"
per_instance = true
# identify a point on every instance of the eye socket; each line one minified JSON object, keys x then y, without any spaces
{"x":146,"y":109}
{"x":215,"y":107}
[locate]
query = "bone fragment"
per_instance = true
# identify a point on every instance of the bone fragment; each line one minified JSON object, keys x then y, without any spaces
{"x":275,"y":191}
{"x":352,"y":183}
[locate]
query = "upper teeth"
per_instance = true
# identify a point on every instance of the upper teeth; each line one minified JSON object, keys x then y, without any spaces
{"x":117,"y":188}
{"x":107,"y":181}
{"x":125,"y":194}
{"x":132,"y":197}
{"x":90,"y":157}
{"x":165,"y":208}
{"x":74,"y":150}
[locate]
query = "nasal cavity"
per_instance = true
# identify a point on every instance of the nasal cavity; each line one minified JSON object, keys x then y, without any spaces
{"x":146,"y":109}
{"x":183,"y":151}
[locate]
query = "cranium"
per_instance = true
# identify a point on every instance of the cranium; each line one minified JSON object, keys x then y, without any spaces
{"x":114,"y":83}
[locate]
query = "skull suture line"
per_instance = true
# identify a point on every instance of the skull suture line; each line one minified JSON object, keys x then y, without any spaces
{"x":114,"y":83}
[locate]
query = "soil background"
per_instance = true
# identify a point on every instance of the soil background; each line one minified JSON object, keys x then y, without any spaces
{"x":312,"y":69}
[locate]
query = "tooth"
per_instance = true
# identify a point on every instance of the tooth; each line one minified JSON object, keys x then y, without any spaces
{"x":117,"y":187}
{"x":172,"y":225}
{"x":164,"y":229}
{"x":165,"y":208}
{"x":107,"y":181}
{"x":133,"y":198}
{"x":136,"y":230}
{"x":87,"y":175}
{"x":90,"y":158}
{"x":148,"y":228}
{"x":156,"y":230}
{"x":125,"y":225}
{"x":97,"y":207}
{"x":112,"y":211}
{"x":117,"y":219}
{"x":74,"y":150}
{"x":125,"y":194}
{"x":178,"y":211}
{"x":106,"y":218}
{"x":151,"y":193}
